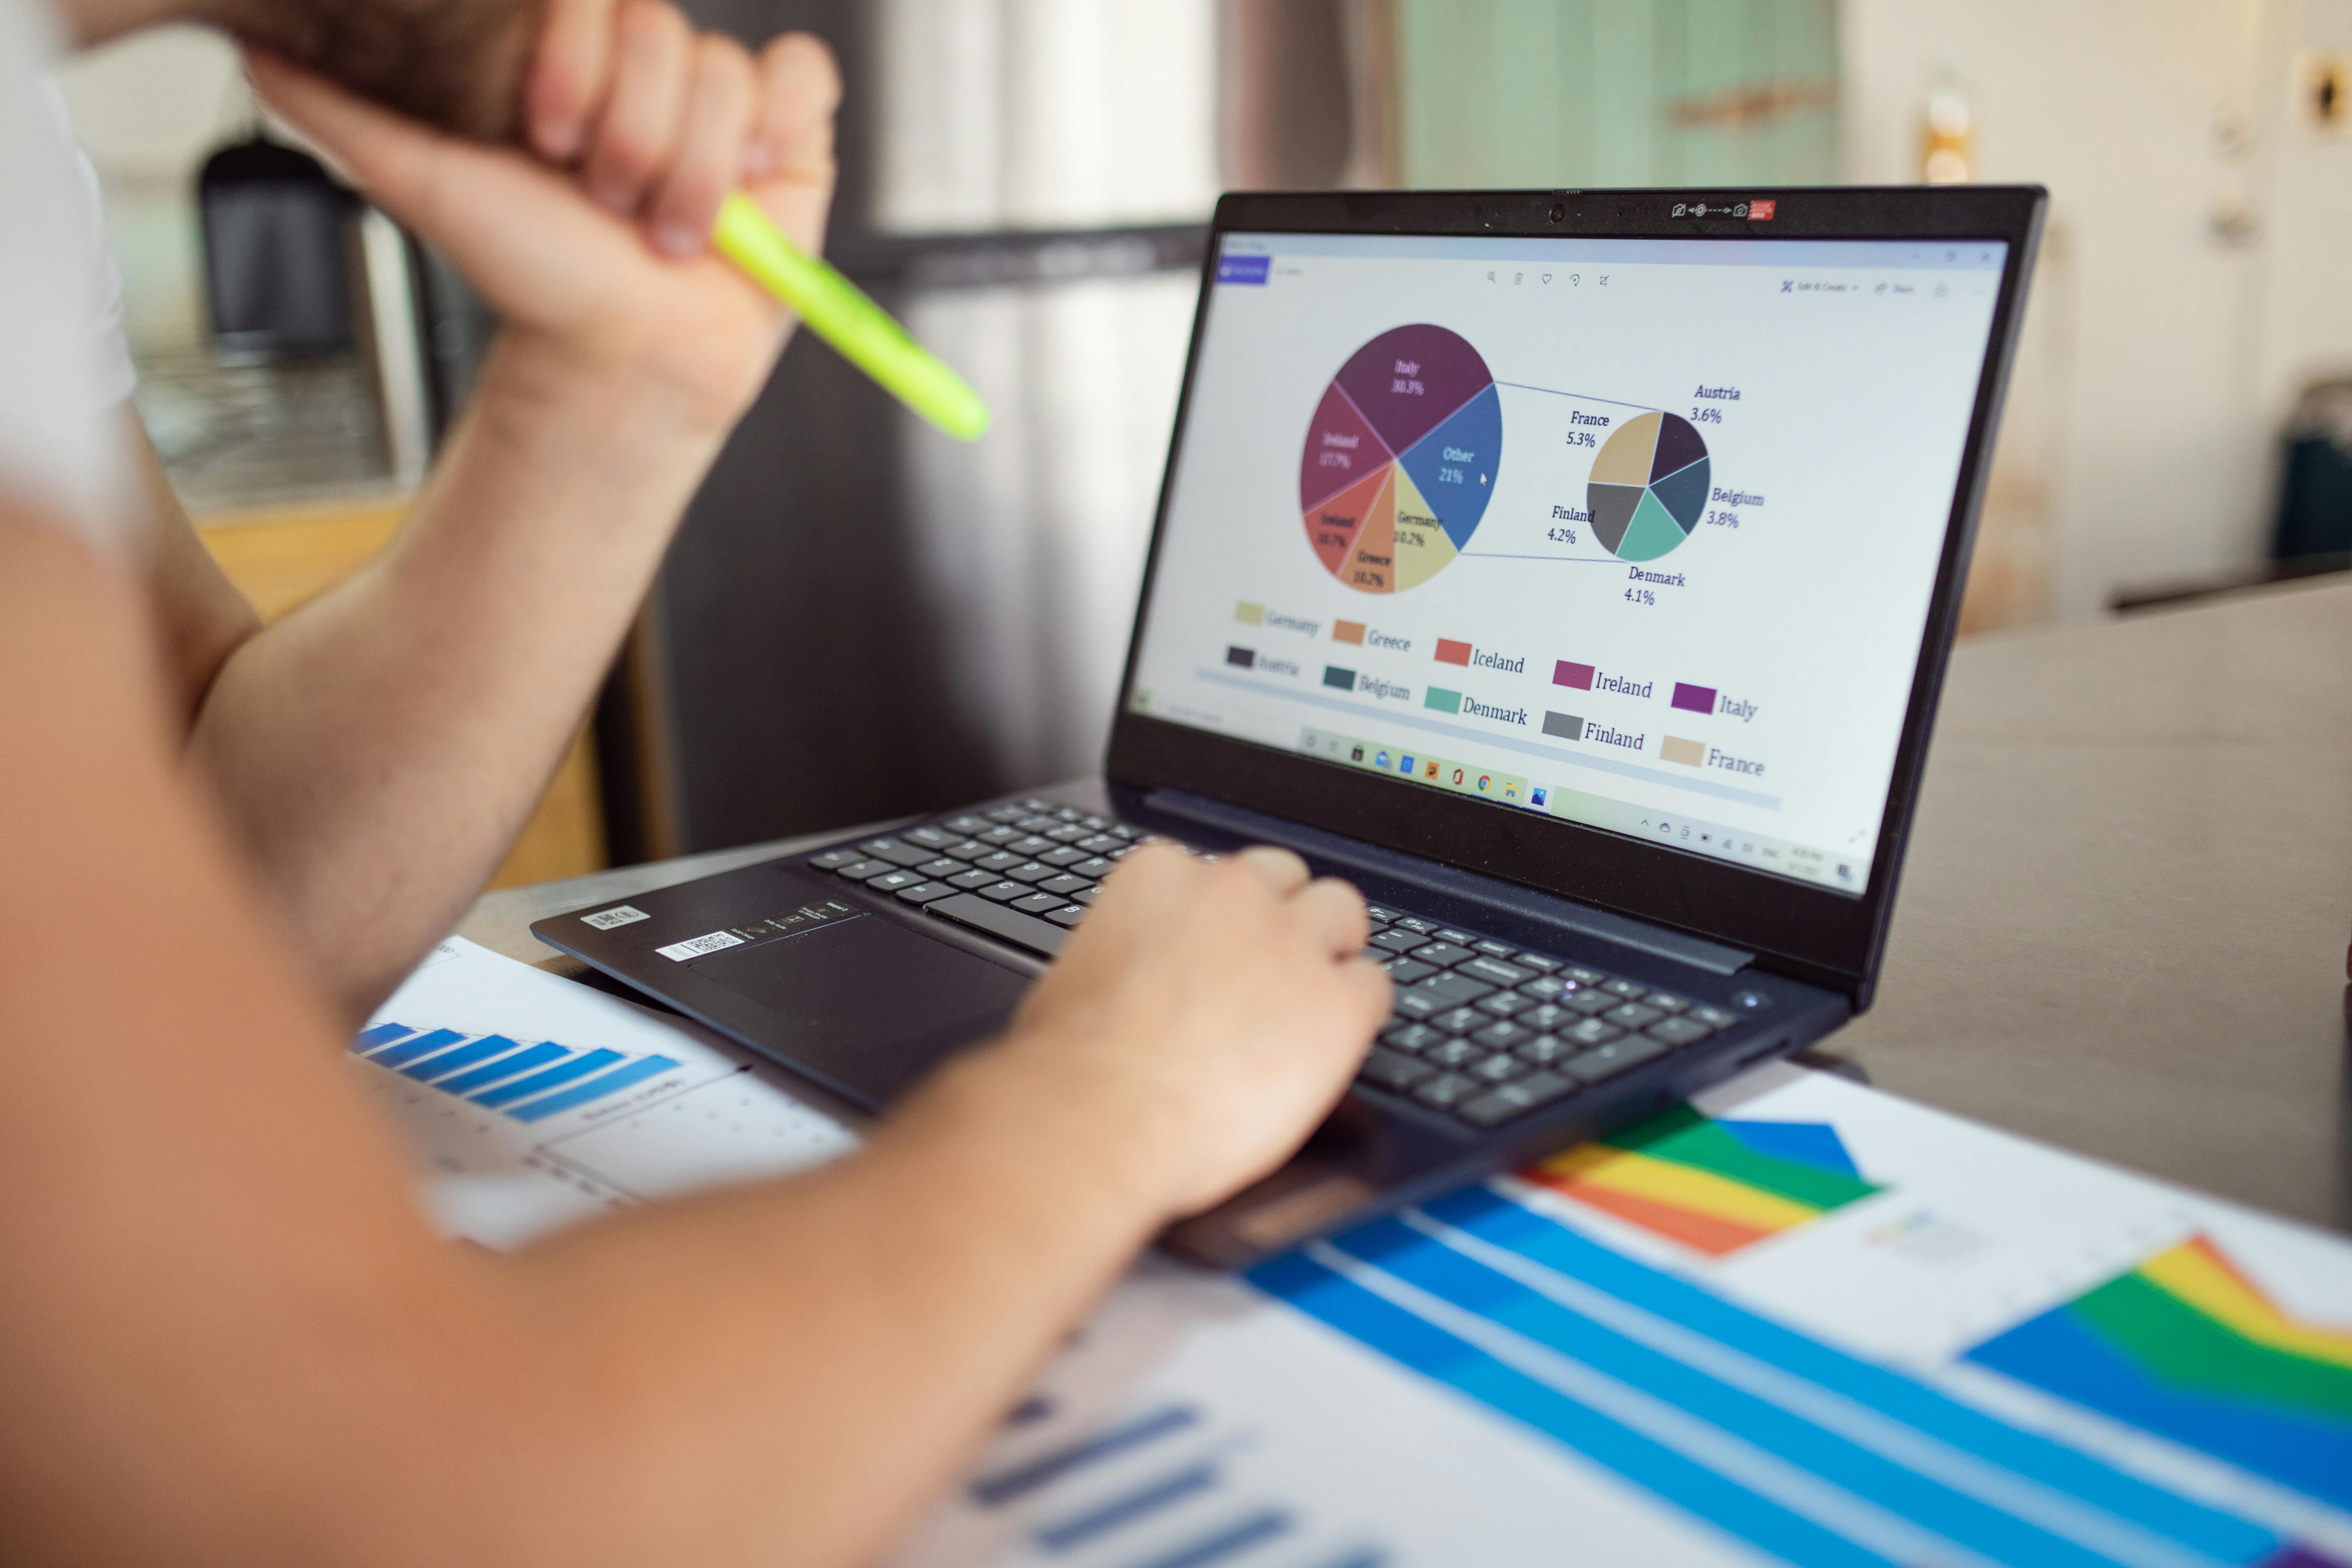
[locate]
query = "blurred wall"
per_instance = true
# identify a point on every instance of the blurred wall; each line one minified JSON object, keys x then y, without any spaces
{"x":2201,"y":242}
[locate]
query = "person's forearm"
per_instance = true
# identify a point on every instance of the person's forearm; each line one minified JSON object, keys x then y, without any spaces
{"x":378,"y":749}
{"x":838,"y":1345}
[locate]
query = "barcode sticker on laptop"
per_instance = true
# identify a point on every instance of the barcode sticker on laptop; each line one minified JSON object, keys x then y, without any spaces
{"x":618,"y":915}
{"x":718,"y":941}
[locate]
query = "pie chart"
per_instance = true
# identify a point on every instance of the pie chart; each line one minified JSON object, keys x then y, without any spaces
{"x":1401,"y":458}
{"x":1649,"y":486}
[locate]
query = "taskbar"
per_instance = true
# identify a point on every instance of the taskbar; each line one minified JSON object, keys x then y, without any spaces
{"x":1844,"y":873}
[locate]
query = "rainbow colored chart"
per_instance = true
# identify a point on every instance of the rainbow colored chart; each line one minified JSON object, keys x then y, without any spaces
{"x":2187,"y":1347}
{"x":1713,"y":1185}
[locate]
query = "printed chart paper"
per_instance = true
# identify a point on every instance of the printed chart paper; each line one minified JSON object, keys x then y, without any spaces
{"x":1800,"y":1322}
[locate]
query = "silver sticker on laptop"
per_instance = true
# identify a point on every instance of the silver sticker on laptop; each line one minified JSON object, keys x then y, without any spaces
{"x":680,"y":951}
{"x":618,"y":915}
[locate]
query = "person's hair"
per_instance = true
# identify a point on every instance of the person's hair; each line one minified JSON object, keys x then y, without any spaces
{"x":457,"y":64}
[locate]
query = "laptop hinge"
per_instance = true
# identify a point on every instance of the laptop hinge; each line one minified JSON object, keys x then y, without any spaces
{"x":1370,"y":859}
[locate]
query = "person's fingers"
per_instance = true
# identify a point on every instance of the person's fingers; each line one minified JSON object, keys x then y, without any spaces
{"x":636,"y":137}
{"x":1334,"y":913}
{"x":386,"y":153}
{"x":1282,"y":871}
{"x":719,"y":110}
{"x":571,"y":71}
{"x":1368,"y":990}
{"x":800,"y":88}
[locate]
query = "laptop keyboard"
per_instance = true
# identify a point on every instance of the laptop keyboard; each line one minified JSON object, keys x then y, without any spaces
{"x":1483,"y":1031}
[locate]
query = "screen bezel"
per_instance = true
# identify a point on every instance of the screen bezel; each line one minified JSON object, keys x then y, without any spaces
{"x":1828,"y":937}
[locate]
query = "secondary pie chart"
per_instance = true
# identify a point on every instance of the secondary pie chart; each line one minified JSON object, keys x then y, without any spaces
{"x":1401,"y":458}
{"x":1649,"y":486}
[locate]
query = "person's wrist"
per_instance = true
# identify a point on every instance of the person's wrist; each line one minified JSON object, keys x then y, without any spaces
{"x":620,"y":388}
{"x":1054,"y":1084}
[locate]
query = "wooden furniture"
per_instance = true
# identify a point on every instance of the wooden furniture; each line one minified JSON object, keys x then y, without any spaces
{"x":280,"y":556}
{"x":2124,"y":923}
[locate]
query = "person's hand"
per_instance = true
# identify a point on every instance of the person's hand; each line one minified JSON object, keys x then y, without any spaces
{"x":1215,"y":1012}
{"x":594,"y":253}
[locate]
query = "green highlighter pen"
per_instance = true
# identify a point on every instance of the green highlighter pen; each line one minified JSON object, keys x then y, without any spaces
{"x":840,"y":312}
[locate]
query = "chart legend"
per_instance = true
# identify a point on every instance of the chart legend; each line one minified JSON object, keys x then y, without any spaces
{"x":1401,"y":458}
{"x":1714,"y":1186}
{"x":1649,"y":486}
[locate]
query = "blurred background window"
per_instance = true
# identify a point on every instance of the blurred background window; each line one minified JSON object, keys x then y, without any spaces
{"x":862,"y":618}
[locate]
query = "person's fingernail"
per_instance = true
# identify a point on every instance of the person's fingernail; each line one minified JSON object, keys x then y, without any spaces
{"x":678,"y":239}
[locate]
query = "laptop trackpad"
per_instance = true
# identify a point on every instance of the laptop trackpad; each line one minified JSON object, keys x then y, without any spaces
{"x":867,"y":1007}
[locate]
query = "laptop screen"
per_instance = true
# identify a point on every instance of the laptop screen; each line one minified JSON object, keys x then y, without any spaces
{"x":1638,"y":534}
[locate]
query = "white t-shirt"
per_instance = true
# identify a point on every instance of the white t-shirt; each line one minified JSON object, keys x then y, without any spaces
{"x":63,"y":366}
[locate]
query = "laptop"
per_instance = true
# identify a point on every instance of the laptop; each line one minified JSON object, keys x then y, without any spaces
{"x":1574,"y":571}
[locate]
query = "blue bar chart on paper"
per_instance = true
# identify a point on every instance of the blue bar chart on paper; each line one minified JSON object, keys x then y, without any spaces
{"x":527,"y":1082}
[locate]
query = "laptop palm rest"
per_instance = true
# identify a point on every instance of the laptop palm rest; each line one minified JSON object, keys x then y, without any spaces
{"x":867,"y":1006}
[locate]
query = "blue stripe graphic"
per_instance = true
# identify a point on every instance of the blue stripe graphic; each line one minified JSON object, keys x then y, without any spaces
{"x":539,"y":1082}
{"x":381,"y":1035}
{"x":505,"y":1066}
{"x":1968,"y":1521}
{"x":410,"y":1049}
{"x":2222,"y":1537}
{"x":1683,"y":1482}
{"x":2057,"y":1353}
{"x":447,"y":1062}
{"x":595,"y":1088}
